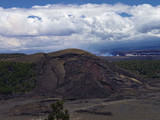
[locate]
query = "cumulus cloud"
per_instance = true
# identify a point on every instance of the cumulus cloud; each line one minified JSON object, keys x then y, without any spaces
{"x":90,"y":26}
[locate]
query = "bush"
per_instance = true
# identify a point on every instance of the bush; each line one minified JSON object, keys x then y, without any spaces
{"x":57,"y":112}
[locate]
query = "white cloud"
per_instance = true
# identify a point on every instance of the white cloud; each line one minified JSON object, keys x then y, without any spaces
{"x":54,"y":27}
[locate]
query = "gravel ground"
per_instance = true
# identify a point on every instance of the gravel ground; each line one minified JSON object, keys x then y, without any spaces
{"x":37,"y":108}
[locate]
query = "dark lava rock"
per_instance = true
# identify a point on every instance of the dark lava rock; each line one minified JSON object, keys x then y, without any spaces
{"x":74,"y":73}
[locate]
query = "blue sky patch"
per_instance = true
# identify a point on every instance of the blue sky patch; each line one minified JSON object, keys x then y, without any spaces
{"x":30,"y":3}
{"x":32,"y":16}
{"x":123,"y":14}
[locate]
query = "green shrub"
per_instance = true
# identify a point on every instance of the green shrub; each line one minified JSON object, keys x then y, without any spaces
{"x":57,"y":112}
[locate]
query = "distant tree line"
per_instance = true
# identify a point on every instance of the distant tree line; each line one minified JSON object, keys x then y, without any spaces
{"x":147,"y":69}
{"x":12,"y":55}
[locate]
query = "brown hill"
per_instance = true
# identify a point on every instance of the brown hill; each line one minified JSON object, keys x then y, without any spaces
{"x":74,"y":73}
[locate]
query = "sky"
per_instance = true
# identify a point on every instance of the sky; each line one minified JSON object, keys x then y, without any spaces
{"x":32,"y":26}
{"x":30,"y":3}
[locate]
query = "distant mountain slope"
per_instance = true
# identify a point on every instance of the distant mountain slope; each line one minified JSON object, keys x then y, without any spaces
{"x":74,"y":73}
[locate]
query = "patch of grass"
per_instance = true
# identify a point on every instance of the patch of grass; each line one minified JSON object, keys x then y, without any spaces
{"x":133,"y":79}
{"x":16,"y":77}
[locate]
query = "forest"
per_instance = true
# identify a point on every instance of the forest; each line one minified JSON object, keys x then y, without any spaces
{"x":147,"y":69}
{"x":16,"y":77}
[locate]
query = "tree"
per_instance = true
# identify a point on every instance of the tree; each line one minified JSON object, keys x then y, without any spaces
{"x":57,"y":112}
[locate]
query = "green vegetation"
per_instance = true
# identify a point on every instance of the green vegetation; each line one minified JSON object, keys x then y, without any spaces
{"x":147,"y":69}
{"x":57,"y":112}
{"x":16,"y":77}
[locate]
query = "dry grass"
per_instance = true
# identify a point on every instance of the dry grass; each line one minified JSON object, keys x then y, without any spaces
{"x":133,"y":79}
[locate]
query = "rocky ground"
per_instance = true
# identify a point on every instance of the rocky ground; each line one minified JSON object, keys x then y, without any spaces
{"x":146,"y":107}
